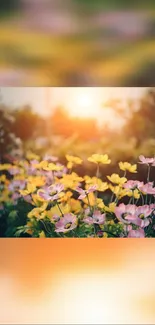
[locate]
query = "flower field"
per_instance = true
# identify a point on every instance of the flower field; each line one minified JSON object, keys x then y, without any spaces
{"x":41,"y":197}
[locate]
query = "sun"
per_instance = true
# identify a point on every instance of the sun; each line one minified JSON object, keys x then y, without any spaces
{"x":84,"y":104}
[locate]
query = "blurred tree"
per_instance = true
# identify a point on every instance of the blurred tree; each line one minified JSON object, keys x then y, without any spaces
{"x":144,"y":76}
{"x":8,"y":140}
{"x":8,"y":6}
{"x":91,"y":5}
{"x":65,"y":125}
{"x":60,"y":122}
{"x":26,"y":123}
{"x":141,"y":124}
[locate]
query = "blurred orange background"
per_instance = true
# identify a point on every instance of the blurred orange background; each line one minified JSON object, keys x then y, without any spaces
{"x":75,"y":281}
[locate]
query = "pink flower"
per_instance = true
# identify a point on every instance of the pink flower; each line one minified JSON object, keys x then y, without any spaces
{"x":48,"y":175}
{"x":147,"y":188}
{"x":84,"y":193}
{"x":15,"y":196}
{"x":127,"y":228}
{"x":123,"y":212}
{"x":139,"y":233}
{"x":143,"y":211}
{"x":133,"y":184}
{"x":137,"y":215}
{"x":31,"y":169}
{"x":16,"y":185}
{"x":96,"y":217}
{"x":60,"y":173}
{"x":55,"y":218}
{"x":52,"y":192}
{"x":146,"y":161}
{"x":100,"y":233}
{"x":66,"y":223}
{"x":14,"y":170}
{"x":50,"y":158}
{"x":134,"y":220}
{"x":34,"y":162}
{"x":152,"y":206}
{"x":28,"y":199}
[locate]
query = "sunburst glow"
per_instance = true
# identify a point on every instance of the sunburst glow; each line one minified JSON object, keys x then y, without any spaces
{"x":84,"y":103}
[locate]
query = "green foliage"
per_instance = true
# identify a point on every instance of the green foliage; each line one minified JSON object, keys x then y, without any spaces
{"x":13,"y":217}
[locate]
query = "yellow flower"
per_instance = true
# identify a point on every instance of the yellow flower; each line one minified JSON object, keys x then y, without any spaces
{"x":38,"y":201}
{"x":118,"y":191}
{"x":32,"y":156}
{"x":135,"y":193}
{"x":23,"y":163}
{"x":42,"y":234}
{"x":111,"y":222}
{"x":30,"y":189}
{"x":116,"y":179}
{"x":3,"y":178}
{"x":43,"y":164}
{"x":29,"y":231}
{"x":66,"y":196}
{"x":75,"y":205}
{"x":65,"y":208}
{"x":71,"y":181}
{"x":37,"y":213}
{"x":53,"y":167}
{"x":93,"y":201}
{"x":20,"y":177}
{"x":101,"y":186}
{"x":73,"y":160}
{"x":30,"y":225}
{"x":111,"y":207}
{"x":5,"y":166}
{"x":37,"y":181}
{"x":99,"y":159}
{"x":4,"y":197}
{"x":127,"y":166}
{"x":100,"y":203}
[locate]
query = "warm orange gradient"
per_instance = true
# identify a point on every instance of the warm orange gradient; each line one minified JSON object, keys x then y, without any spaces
{"x":74,"y":281}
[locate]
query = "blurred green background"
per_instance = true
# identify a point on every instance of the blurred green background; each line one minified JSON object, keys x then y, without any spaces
{"x":77,"y":43}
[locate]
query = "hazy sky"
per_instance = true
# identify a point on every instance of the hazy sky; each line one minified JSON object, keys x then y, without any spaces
{"x":36,"y":96}
{"x":80,"y":101}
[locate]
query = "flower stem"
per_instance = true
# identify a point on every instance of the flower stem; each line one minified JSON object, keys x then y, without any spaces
{"x":110,"y":233}
{"x":148,"y":179}
{"x":95,"y":229}
{"x":91,"y":208}
{"x":88,"y":201}
{"x":148,"y":174}
{"x":45,"y":226}
{"x":143,"y":203}
{"x":60,"y":209}
{"x":97,"y":176}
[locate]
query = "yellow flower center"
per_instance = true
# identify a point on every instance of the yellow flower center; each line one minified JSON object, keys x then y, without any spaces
{"x":53,"y":193}
{"x":68,"y":225}
{"x":142,"y":216}
{"x":125,"y":215}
